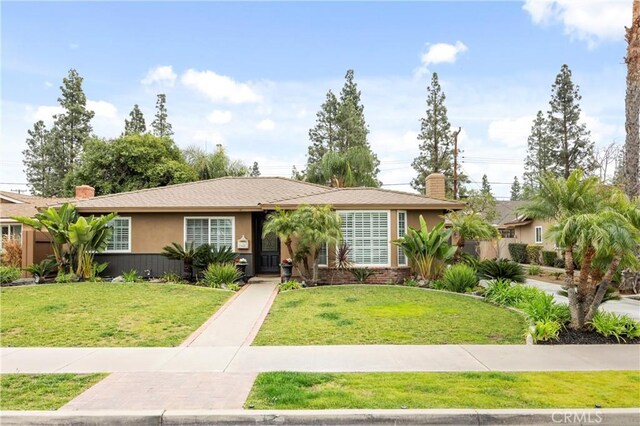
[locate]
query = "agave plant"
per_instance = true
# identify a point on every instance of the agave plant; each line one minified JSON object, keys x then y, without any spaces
{"x":427,"y":251}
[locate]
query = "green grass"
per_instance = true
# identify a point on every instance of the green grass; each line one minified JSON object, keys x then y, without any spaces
{"x":43,"y":391}
{"x":104,"y":314}
{"x":386,"y":315}
{"x":289,"y":390}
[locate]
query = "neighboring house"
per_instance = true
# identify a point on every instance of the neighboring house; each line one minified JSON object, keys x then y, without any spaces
{"x":230,"y":212}
{"x":35,"y":245}
{"x":514,"y":228}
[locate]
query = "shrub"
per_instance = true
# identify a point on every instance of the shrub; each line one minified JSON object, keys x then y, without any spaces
{"x":220,"y":274}
{"x":619,"y":326}
{"x":459,"y":278}
{"x":63,"y":278}
{"x":42,"y":269}
{"x":361,"y":274}
{"x":503,"y":292}
{"x":131,"y":276}
{"x":533,"y":270}
{"x":557,"y":275}
{"x":558,"y":263}
{"x":172,"y":277}
{"x":233,"y":287}
{"x":411,"y":283}
{"x":289,"y":285}
{"x":534,"y":254}
{"x":542,"y":307}
{"x":545,"y":330}
{"x":8,"y":274}
{"x":500,"y":269}
{"x":97,"y":269}
{"x":548,"y":257}
{"x":207,"y":254}
{"x":518,"y":252}
{"x":11,"y":252}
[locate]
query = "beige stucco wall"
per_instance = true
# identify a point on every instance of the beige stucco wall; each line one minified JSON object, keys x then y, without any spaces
{"x":150,"y":232}
{"x":526,"y":234}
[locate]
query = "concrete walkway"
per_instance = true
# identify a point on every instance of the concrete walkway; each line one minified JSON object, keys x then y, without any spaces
{"x":624,"y":306}
{"x":357,"y":358}
{"x":237,"y":322}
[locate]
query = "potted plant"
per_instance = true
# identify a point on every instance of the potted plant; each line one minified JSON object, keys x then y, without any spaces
{"x":287,"y":268}
{"x":241,"y":266}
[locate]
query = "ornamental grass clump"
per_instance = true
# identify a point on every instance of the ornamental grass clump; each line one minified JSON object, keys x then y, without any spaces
{"x":500,"y":269}
{"x":218,"y":275}
{"x":459,"y":278}
{"x":8,"y":274}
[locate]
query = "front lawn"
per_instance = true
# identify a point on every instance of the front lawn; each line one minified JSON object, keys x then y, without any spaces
{"x":104,"y":314}
{"x":288,"y":390}
{"x":360,"y":314}
{"x":43,"y":391}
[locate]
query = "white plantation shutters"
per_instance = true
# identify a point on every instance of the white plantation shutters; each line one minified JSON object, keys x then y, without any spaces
{"x":217,"y":231}
{"x":120,"y":240}
{"x":402,"y":229}
{"x":323,"y":255}
{"x":367,"y":234}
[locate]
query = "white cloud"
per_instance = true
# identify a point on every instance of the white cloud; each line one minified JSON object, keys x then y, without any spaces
{"x":266,"y":125}
{"x":74,"y":46}
{"x":44,"y":113}
{"x":219,"y":88}
{"x":593,"y":21}
{"x":439,"y":53}
{"x":161,"y":74}
{"x":48,"y":84}
{"x":103,"y":109}
{"x":219,"y":117}
{"x":512,"y":132}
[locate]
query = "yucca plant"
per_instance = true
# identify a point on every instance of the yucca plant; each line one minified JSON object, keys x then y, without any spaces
{"x":459,"y":278}
{"x":491,"y":269}
{"x":218,"y":275}
{"x":427,"y":251}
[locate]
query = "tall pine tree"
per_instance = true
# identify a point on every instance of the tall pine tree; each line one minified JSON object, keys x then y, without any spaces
{"x":38,"y":161}
{"x":71,"y":130}
{"x":254,"y":171}
{"x":574,"y":149}
{"x":436,"y":141}
{"x":516,"y":190}
{"x":540,"y":152}
{"x":324,"y":135}
{"x":136,"y":125}
{"x":486,"y":187}
{"x":160,"y":126}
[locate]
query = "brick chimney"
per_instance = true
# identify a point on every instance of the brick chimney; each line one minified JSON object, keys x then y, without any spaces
{"x":434,"y":186}
{"x":85,"y":191}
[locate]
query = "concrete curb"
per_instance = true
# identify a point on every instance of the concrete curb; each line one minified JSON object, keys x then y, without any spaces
{"x":615,"y":416}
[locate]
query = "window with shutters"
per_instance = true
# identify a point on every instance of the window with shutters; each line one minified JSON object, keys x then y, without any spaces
{"x":120,"y":241}
{"x":217,"y":231}
{"x":538,"y":236}
{"x":323,"y":256}
{"x":402,"y":229}
{"x":367,"y":235}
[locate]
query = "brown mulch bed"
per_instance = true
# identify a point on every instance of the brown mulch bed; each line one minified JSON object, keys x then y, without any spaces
{"x":572,"y":337}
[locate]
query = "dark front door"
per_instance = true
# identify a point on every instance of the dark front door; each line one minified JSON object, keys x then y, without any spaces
{"x":267,"y":249}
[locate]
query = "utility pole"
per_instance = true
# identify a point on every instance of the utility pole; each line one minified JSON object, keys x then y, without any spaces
{"x":455,"y":163}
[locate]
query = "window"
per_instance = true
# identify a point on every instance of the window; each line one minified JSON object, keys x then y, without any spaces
{"x":508,"y":233}
{"x":217,"y":231}
{"x":120,"y":241}
{"x":538,"y":236}
{"x":10,"y":232}
{"x":402,"y":229}
{"x":323,"y":259}
{"x":367,"y":235}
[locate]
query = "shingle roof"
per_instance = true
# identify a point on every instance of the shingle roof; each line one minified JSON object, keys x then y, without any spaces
{"x":252,"y":193}
{"x":28,"y":205}
{"x":506,"y":211}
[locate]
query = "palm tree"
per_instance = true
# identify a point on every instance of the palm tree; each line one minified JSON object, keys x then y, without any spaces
{"x":320,"y":225}
{"x":185,"y":254}
{"x":285,"y":225}
{"x":470,"y":226}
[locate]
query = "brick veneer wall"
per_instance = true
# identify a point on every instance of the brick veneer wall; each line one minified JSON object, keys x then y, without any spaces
{"x":380,"y":276}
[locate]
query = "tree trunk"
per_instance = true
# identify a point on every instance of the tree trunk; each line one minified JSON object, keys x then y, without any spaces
{"x":574,"y":303}
{"x":187,"y":272}
{"x":632,"y":106}
{"x":602,"y":290}
{"x":460,"y":244}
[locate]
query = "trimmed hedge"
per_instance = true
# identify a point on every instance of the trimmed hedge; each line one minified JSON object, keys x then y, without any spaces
{"x":558,"y":263}
{"x":548,"y":257}
{"x":518,"y":252}
{"x":534,"y":254}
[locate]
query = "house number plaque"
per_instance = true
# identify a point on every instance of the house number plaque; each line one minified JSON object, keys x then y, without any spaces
{"x":243,"y":243}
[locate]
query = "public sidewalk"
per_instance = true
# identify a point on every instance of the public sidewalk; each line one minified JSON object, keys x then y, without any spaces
{"x":624,"y":306}
{"x":349,"y":358}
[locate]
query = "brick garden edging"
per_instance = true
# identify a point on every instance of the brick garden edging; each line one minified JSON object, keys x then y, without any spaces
{"x":380,"y":275}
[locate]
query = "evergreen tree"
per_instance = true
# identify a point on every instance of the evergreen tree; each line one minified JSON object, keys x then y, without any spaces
{"x":516,"y":190}
{"x":71,"y":130}
{"x":540,"y":152}
{"x":324,"y":135}
{"x":574,"y":149}
{"x":486,"y":187}
{"x":254,"y":171}
{"x":160,"y":126}
{"x":436,"y":142}
{"x":38,"y":162}
{"x":135,"y":126}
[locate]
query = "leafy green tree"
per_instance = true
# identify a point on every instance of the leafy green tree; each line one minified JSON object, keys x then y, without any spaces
{"x":342,"y":170}
{"x":516,"y":190}
{"x":481,"y":203}
{"x":136,"y":124}
{"x":71,"y":130}
{"x":160,"y":127}
{"x":129,"y":163}
{"x":574,"y":149}
{"x":540,"y":158}
{"x":436,"y":141}
{"x":215,"y":165}
{"x":254,"y":171}
{"x":38,"y":161}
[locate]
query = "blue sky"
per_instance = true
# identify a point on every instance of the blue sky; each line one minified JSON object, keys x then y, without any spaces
{"x":252,"y":75}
